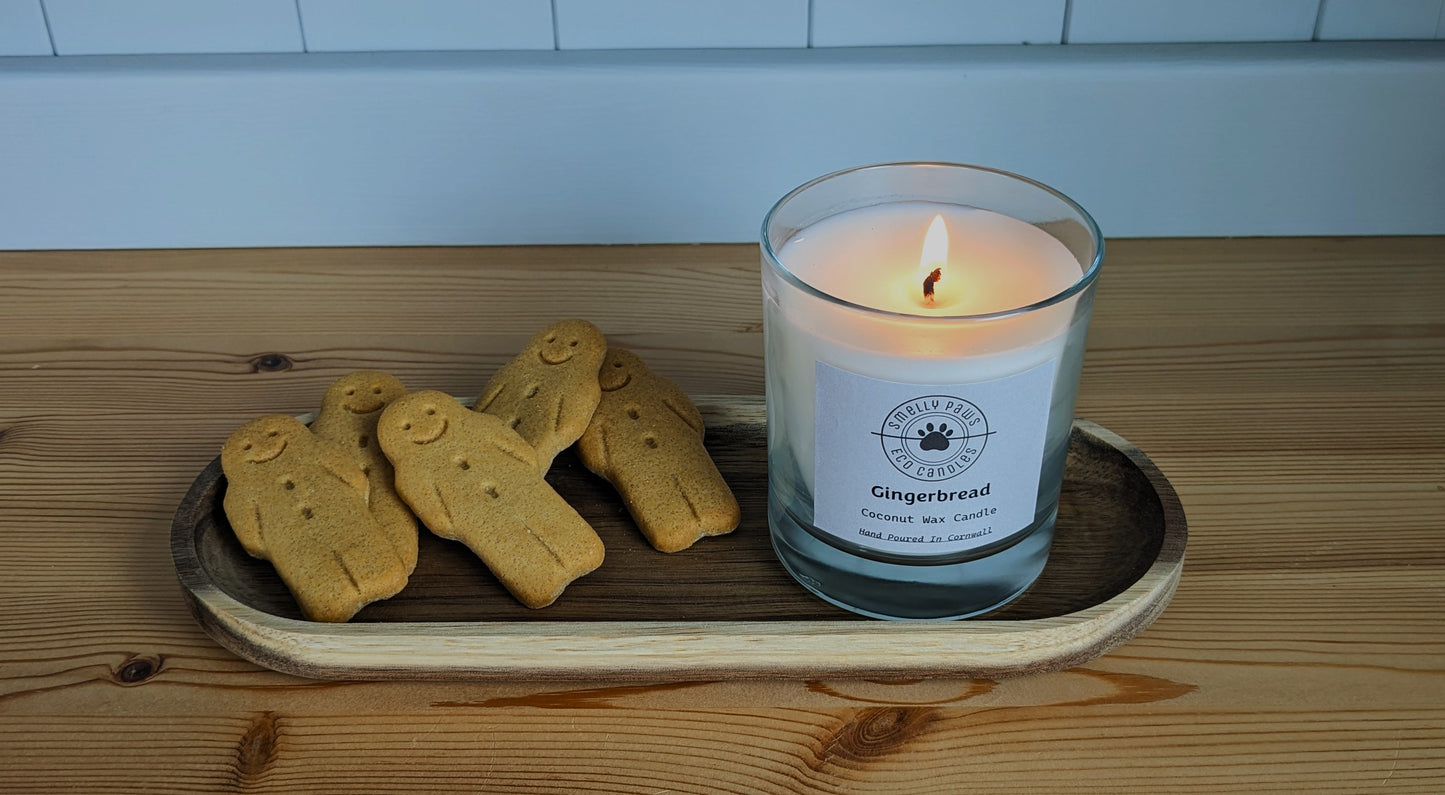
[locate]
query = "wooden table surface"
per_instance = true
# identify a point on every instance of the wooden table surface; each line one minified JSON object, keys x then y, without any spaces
{"x":1292,"y":390}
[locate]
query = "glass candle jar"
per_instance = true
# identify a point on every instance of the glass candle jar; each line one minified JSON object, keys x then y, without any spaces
{"x":925,"y":327}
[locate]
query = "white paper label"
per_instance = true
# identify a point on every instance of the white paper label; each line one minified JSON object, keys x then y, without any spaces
{"x":928,"y":469}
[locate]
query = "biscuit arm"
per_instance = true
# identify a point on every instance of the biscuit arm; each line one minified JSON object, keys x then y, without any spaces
{"x":493,"y":390}
{"x":592,"y":447}
{"x":245,"y":518}
{"x":679,"y":404}
{"x":559,"y":412}
{"x":425,"y":500}
{"x":512,"y":444}
{"x":341,"y":464}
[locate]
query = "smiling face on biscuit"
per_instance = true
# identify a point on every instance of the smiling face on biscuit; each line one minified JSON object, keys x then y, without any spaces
{"x":365,"y":391}
{"x":559,"y":342}
{"x":618,"y":369}
{"x":419,"y":418}
{"x":262,"y":440}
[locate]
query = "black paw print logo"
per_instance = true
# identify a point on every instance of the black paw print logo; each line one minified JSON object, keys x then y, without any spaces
{"x":935,"y":439}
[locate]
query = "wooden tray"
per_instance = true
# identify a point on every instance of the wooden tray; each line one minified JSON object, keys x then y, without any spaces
{"x":725,"y":608}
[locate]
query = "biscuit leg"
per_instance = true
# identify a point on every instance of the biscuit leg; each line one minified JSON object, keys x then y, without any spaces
{"x":662,"y":510}
{"x":535,"y":547}
{"x":521,"y":561}
{"x":677,"y":510}
{"x":525,"y":565}
{"x":322,"y":587}
{"x":710,"y":500}
{"x":566,"y":534}
{"x":373,"y":576}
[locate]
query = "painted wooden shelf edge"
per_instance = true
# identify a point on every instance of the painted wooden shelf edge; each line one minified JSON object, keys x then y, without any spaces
{"x":658,"y":651}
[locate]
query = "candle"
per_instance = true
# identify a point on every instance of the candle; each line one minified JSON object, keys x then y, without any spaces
{"x":881,"y":257}
{"x":923,"y":355}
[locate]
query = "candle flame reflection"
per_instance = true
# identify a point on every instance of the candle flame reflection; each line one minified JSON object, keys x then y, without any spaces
{"x":935,"y":257}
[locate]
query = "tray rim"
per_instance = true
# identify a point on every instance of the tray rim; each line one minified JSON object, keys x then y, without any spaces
{"x":690,"y":650}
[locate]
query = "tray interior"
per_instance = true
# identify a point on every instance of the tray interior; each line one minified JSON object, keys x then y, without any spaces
{"x":1110,"y":528}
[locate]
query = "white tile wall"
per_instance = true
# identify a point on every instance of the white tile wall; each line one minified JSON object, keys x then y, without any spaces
{"x":97,"y":27}
{"x":1108,"y":21}
{"x":22,"y":28}
{"x":648,"y":24}
{"x":677,"y":146}
{"x":88,"y":27}
{"x":1379,"y":19}
{"x":864,"y":23}
{"x":362,"y":25}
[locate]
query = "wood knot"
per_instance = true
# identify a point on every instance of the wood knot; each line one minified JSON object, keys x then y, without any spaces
{"x":875,"y":733}
{"x":137,"y":669}
{"x":256,"y":751}
{"x":271,"y":363}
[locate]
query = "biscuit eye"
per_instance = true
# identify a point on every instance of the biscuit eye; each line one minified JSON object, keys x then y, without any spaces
{"x":351,"y":391}
{"x":551,"y":337}
{"x":573,"y":343}
{"x":406,"y":426}
{"x":430,"y":412}
{"x":306,"y":512}
{"x":269,"y":434}
{"x":289,"y":484}
{"x":246,"y":446}
{"x":617,"y":364}
{"x":651,"y":441}
{"x":464,"y":464}
{"x":632,"y":412}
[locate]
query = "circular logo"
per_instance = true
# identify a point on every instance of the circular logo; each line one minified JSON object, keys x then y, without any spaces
{"x":934,"y":437}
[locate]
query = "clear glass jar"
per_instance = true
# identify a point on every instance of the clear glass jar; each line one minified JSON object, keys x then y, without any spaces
{"x":917,"y":431}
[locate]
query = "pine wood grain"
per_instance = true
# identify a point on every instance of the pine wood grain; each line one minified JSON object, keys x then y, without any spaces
{"x":1290,"y":389}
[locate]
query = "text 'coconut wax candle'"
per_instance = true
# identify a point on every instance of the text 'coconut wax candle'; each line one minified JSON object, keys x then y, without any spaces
{"x":925,"y":328}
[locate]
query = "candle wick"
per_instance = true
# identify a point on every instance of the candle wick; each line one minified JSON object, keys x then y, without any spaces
{"x":933,"y":278}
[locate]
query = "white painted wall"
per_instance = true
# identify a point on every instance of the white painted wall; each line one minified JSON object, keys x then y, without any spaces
{"x":693,"y":146}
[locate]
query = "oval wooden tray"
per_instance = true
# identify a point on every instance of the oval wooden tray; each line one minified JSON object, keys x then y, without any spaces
{"x":725,"y":608}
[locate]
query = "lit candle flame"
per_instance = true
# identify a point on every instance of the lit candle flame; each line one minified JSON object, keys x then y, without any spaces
{"x":935,"y":257}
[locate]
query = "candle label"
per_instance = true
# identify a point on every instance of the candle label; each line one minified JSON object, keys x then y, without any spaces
{"x":928,"y":469}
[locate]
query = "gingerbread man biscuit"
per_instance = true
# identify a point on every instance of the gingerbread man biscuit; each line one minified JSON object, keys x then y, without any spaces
{"x":548,"y":392}
{"x":646,"y":440}
{"x":300,"y":502}
{"x":473,"y":479}
{"x":348,"y":416}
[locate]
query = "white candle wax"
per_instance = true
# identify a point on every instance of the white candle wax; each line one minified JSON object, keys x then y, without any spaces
{"x":871,"y":257}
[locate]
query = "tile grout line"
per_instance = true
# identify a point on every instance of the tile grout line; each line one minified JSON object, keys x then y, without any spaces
{"x":810,"y":24}
{"x":50,"y":34}
{"x":1319,"y":20}
{"x":301,"y":26}
{"x":556,"y":35}
{"x":1068,"y":20}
